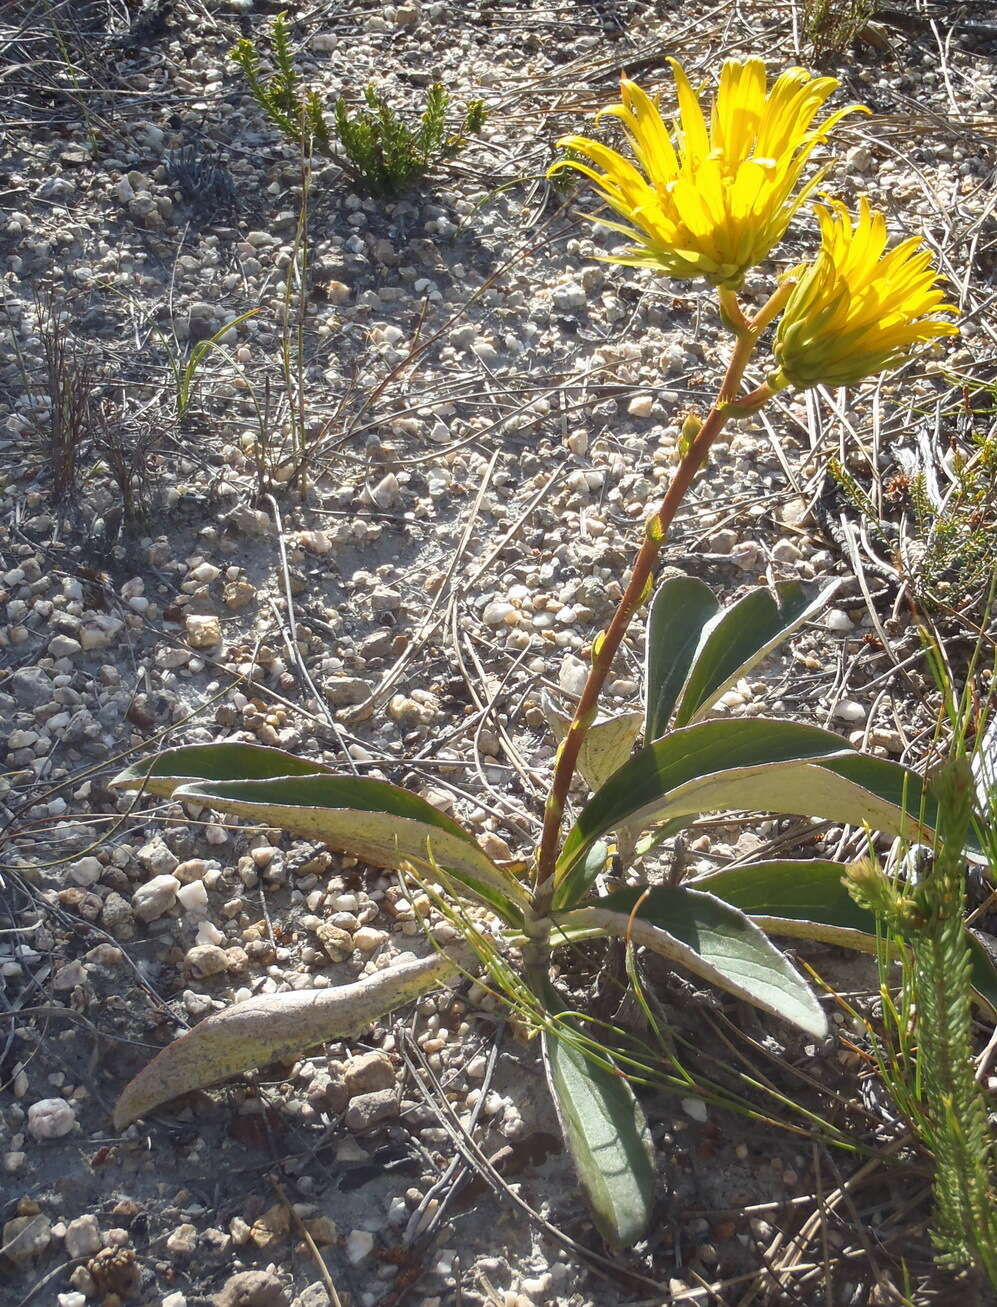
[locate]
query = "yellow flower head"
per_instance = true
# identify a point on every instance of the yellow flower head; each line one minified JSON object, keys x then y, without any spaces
{"x":856,"y":310}
{"x":713,"y":202}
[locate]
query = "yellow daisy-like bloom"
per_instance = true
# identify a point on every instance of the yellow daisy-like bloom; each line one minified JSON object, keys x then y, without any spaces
{"x":716,"y":201}
{"x":857,"y":310}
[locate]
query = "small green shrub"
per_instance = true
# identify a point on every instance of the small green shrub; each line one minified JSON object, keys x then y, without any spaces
{"x":381,"y":152}
{"x":385,"y":155}
{"x":944,"y":545}
{"x":960,"y":549}
{"x":832,"y":25}
{"x":929,"y":1066}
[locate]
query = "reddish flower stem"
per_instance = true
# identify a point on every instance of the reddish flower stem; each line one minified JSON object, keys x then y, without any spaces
{"x":727,"y":405}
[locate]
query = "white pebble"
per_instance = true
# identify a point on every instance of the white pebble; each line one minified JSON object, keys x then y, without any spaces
{"x":193,"y":898}
{"x":838,"y":620}
{"x":848,"y":710}
{"x":83,"y":1237}
{"x":359,"y":1244}
{"x":696,"y":1108}
{"x":573,"y":674}
{"x":367,"y":939}
{"x":208,"y":933}
{"x":86,"y":871}
{"x":50,"y":1118}
{"x":155,"y":897}
{"x":785,"y":551}
{"x":498,"y":613}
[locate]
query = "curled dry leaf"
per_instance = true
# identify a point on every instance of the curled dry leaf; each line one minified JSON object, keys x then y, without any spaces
{"x":273,"y":1027}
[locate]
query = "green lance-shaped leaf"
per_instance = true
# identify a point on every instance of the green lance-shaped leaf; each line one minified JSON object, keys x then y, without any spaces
{"x":708,"y":937}
{"x":739,"y":637}
{"x":372,"y":820}
{"x":682,"y":606}
{"x":809,"y":900}
{"x":277,"y":1027}
{"x":198,"y":355}
{"x":607,"y":744}
{"x":604,"y":1130}
{"x":231,"y":761}
{"x":753,"y":763}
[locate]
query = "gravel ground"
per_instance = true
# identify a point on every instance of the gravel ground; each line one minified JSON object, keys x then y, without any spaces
{"x":488,"y":415}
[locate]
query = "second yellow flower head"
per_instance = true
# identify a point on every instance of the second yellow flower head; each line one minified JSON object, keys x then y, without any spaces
{"x":715,"y":201}
{"x":858,"y":308}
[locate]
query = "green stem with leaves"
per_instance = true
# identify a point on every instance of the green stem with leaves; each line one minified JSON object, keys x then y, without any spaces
{"x":727,"y":405}
{"x":958,"y":1132}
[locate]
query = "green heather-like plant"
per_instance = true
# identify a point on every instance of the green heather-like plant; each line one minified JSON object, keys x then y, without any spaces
{"x":385,"y":155}
{"x":936,"y":1085}
{"x":925,"y":1054}
{"x":713,"y":211}
{"x":947,"y":550}
{"x":299,"y":116}
{"x":832,"y":25}
{"x":380,"y":151}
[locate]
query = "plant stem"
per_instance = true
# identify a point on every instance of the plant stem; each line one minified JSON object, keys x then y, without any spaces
{"x":727,"y":405}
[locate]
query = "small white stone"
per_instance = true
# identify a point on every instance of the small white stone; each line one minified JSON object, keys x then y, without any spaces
{"x":722,"y":542}
{"x":83,"y":1237}
{"x":193,"y":898}
{"x":499,"y":613}
{"x":155,"y":897}
{"x":183,"y":1239}
{"x":203,"y":632}
{"x":387,"y":493}
{"x":848,"y":710}
{"x":573,"y":674}
{"x":696,"y":1108}
{"x":204,"y":573}
{"x":640,"y":406}
{"x":836,"y":619}
{"x":157,"y":857}
{"x":69,"y":975}
{"x":64,"y":646}
{"x":85,"y":871}
{"x":359,"y":1245}
{"x":785,"y":551}
{"x":208,"y":933}
{"x":367,"y":939}
{"x":477,"y":1067}
{"x":570,"y":296}
{"x":50,"y":1118}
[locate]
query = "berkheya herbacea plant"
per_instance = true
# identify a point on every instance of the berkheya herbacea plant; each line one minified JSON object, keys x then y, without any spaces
{"x":702,"y":200}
